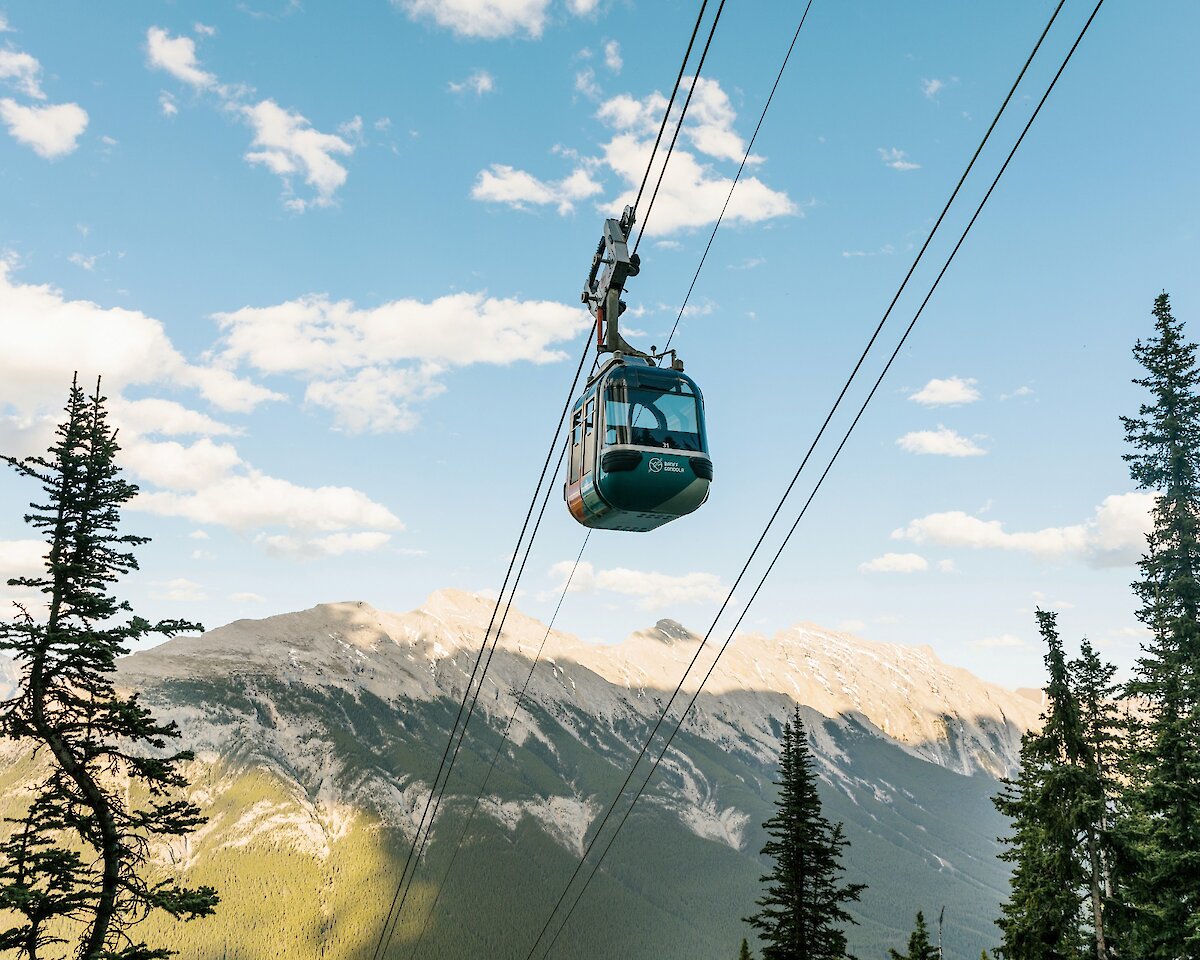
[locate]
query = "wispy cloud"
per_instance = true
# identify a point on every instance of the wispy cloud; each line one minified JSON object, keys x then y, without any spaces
{"x":284,"y":141}
{"x":482,"y":19}
{"x":949,"y":392}
{"x":516,"y":188}
{"x":895,"y":563}
{"x":1114,"y":536}
{"x":692,"y":192}
{"x":653,"y":590}
{"x":612,"y":56}
{"x":51,"y":131}
{"x":942,"y":442}
{"x":1003,"y":640}
{"x":479,"y":83}
{"x":23,"y":72}
{"x":897,"y":159}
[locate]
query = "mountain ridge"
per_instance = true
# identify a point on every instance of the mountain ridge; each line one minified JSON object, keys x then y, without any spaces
{"x":317,"y":733}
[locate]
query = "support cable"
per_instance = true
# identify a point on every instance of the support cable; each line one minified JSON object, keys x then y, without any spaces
{"x":862,"y":409}
{"x":795,"y":478}
{"x":406,"y":872}
{"x":520,"y":702}
{"x":738,"y":176}
{"x":670,"y":103}
{"x":462,"y":732}
{"x":679,"y":125}
{"x":391,"y":919}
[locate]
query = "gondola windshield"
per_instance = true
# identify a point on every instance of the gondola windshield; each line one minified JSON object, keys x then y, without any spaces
{"x":650,"y":416}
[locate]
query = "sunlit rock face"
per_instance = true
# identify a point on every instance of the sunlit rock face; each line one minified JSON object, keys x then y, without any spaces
{"x":318,"y":732}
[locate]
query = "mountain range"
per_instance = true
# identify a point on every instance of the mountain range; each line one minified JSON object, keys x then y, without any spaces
{"x":318,"y":733}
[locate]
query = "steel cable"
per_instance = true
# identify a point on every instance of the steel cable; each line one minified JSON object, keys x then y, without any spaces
{"x":795,"y":478}
{"x":862,"y":409}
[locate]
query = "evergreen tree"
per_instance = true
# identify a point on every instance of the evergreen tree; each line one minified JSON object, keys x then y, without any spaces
{"x":74,"y":864}
{"x":802,"y":914}
{"x":744,"y":953}
{"x":1096,"y":696}
{"x":919,"y":947}
{"x":1161,"y":822}
{"x":1058,"y":808}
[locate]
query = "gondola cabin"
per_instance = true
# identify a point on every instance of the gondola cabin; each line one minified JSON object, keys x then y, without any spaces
{"x":639,"y":455}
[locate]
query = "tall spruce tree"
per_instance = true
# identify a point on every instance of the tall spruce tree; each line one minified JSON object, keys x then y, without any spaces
{"x":1060,"y":806}
{"x":802,"y":911}
{"x":74,"y":870}
{"x":1161,"y":822}
{"x":744,"y":953}
{"x":1040,"y":918}
{"x":919,"y":946}
{"x":1096,"y":696}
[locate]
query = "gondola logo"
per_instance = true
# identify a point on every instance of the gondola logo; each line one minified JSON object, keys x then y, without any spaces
{"x":658,"y":465}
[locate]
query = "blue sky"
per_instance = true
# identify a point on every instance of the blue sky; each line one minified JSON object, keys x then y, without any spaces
{"x":329,"y":263}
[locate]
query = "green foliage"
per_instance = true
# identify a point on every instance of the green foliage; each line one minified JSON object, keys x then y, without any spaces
{"x":744,"y":953}
{"x":1059,"y":806}
{"x":1160,"y":823}
{"x":801,"y":915}
{"x":919,"y":947}
{"x":78,"y":849}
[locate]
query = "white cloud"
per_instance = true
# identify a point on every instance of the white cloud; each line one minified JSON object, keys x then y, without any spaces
{"x":320,"y":336}
{"x":709,"y":124}
{"x":931,"y":87}
{"x":612,"y":56}
{"x":946,"y":566}
{"x":1114,"y":536}
{"x":204,"y":29}
{"x":376,"y":400}
{"x":478,"y":83}
{"x":289,"y":145}
{"x":942,"y":442}
{"x":21,"y":558}
{"x":653,"y":589}
{"x":284,"y":141}
{"x":83,"y":261}
{"x":51,"y":132}
{"x":334,"y":545}
{"x":153,"y":415}
{"x":585,"y":83}
{"x":897,"y":159}
{"x":895,"y":563}
{"x":487,"y":19}
{"x":948,"y":392}
{"x":180,"y":590}
{"x":199,"y":535}
{"x":851,"y":626}
{"x":581,"y":8}
{"x":692,"y":192}
{"x":253,"y":500}
{"x":503,"y":184}
{"x":1003,"y":640}
{"x":23,"y":71}
{"x":47,"y":338}
{"x":1023,"y":391}
{"x":174,"y":466}
{"x":177,"y":56}
{"x":371,"y":366}
{"x":247,"y":598}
